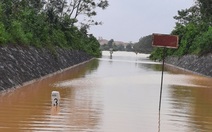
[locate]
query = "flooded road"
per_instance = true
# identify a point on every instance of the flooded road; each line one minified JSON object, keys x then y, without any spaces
{"x":118,"y":94}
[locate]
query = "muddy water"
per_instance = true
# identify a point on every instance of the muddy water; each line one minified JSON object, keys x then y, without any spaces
{"x":118,"y":94}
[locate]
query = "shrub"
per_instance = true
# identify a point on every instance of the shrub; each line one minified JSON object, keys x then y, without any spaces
{"x":18,"y":35}
{"x":4,"y":36}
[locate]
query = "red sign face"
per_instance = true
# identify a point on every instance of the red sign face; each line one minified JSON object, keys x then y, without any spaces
{"x":163,"y":40}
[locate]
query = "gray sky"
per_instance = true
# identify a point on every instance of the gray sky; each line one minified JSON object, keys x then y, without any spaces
{"x":129,"y":20}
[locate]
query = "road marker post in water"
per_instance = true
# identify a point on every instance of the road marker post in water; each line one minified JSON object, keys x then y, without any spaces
{"x":165,"y":41}
{"x":55,"y":96}
{"x":111,"y":52}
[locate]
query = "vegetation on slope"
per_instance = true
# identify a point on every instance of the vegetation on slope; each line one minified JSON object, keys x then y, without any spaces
{"x":49,"y":23}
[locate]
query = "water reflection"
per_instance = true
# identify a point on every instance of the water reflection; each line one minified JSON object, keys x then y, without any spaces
{"x":159,"y":121}
{"x":111,"y":95}
{"x":190,"y":101}
{"x":29,"y":108}
{"x":193,"y":105}
{"x":55,"y":110}
{"x":150,"y":67}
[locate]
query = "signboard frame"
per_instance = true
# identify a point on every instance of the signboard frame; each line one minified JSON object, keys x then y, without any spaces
{"x":165,"y":40}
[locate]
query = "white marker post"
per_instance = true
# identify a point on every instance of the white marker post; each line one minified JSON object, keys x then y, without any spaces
{"x":111,"y":52}
{"x":55,"y":98}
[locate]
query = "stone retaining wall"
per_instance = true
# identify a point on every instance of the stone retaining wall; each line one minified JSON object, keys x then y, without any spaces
{"x":199,"y":64}
{"x":23,"y":64}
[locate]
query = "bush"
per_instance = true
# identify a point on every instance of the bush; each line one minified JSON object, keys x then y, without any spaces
{"x":58,"y":38}
{"x":18,"y":35}
{"x":4,"y":36}
{"x":203,"y":42}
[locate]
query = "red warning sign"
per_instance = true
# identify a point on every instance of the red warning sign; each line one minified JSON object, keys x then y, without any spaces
{"x":164,"y":40}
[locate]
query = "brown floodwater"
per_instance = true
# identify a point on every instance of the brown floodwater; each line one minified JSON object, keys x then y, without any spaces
{"x":111,"y":94}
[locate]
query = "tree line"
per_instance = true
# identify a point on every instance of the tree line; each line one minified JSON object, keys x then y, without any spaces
{"x":144,"y":45}
{"x":50,"y":23}
{"x":111,"y":44}
{"x":194,"y":28}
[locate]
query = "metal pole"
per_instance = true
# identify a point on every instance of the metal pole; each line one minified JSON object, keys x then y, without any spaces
{"x":161,"y":87}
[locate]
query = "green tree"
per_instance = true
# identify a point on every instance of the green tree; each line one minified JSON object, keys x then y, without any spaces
{"x":3,"y":34}
{"x":203,"y":42}
{"x":120,"y":47}
{"x":129,"y":47}
{"x":190,"y":15}
{"x":144,"y":45}
{"x":110,"y":43}
{"x":104,"y":47}
{"x":86,"y":8}
{"x":206,"y":10}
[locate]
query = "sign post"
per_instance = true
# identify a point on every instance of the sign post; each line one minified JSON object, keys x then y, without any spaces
{"x":165,"y":41}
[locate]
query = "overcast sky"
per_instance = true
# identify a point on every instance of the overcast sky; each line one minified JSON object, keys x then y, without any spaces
{"x":129,"y":20}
